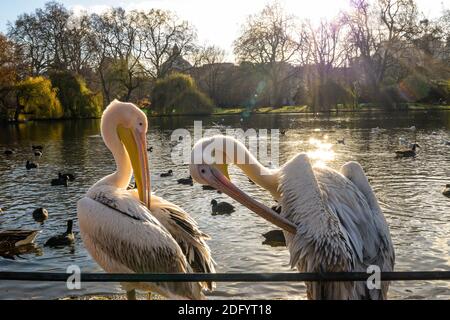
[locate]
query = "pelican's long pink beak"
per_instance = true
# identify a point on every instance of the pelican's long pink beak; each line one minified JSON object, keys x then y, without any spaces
{"x":220,"y":182}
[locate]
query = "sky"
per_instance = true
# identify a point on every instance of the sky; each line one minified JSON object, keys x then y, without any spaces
{"x":217,"y":21}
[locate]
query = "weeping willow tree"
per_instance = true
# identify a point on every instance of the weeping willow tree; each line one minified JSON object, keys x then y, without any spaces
{"x":77,"y":99}
{"x":178,"y":94}
{"x":39,"y":99}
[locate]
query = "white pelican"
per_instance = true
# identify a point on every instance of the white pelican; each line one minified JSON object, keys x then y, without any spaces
{"x":332,"y":220}
{"x":129,"y":231}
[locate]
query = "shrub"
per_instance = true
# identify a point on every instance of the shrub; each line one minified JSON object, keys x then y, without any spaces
{"x":178,"y":94}
{"x":77,"y":100}
{"x":39,"y":98}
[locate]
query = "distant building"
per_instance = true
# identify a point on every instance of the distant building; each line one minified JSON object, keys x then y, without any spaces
{"x":176,"y":62}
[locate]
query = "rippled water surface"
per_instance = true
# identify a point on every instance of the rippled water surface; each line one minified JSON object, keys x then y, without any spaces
{"x":409,"y":190}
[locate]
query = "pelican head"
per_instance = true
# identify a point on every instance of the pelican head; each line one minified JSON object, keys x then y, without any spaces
{"x":209,"y":167}
{"x":125,"y":125}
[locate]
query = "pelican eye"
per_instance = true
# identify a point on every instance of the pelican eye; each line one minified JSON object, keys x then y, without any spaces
{"x":140,"y":123}
{"x":203,"y":171}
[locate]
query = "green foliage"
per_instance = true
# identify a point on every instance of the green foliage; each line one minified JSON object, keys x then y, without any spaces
{"x":39,"y":98}
{"x":78,"y":101}
{"x":414,"y":88}
{"x":178,"y":94}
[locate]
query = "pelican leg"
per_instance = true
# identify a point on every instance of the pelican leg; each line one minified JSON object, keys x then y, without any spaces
{"x":131,"y":295}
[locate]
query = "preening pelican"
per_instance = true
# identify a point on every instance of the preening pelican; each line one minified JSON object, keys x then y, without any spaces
{"x":134,"y":231}
{"x":331,"y":220}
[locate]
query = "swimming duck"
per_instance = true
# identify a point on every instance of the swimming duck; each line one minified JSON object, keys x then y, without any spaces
{"x":8,"y":152}
{"x":37,"y":148}
{"x":186,"y":181}
{"x":69,"y":176}
{"x":64,"y":239}
{"x":412,"y":128}
{"x":61,"y":181}
{"x":446,"y":191}
{"x":341,"y":141}
{"x":40,"y":215}
{"x":407,"y":153}
{"x":166,"y":174}
{"x":150,"y":149}
{"x":31,"y":165}
{"x":274,"y":238}
{"x":221,"y":207}
{"x":15,"y":238}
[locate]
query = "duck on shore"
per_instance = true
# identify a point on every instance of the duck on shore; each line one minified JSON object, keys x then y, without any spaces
{"x":65,"y":239}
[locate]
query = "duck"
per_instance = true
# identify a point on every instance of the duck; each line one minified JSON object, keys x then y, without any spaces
{"x":166,"y":174}
{"x":10,"y":239}
{"x":64,"y":239}
{"x":70,"y":176}
{"x":209,"y":188}
{"x":38,"y":153}
{"x":40,"y":215}
{"x":8,"y":152}
{"x":407,"y":153}
{"x":276,"y":208}
{"x":283,"y":132}
{"x":186,"y":181}
{"x":412,"y":128}
{"x":150,"y":149}
{"x":221,"y":207}
{"x":341,"y":141}
{"x":274,"y":238}
{"x":37,"y":148}
{"x":61,"y":181}
{"x":376,"y":130}
{"x":447,"y":142}
{"x":31,"y":165}
{"x":446,"y":191}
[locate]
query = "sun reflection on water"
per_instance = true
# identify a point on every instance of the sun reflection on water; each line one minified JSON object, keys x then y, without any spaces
{"x":322,"y":153}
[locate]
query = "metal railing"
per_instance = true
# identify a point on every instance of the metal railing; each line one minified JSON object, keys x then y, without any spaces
{"x":226,"y":277}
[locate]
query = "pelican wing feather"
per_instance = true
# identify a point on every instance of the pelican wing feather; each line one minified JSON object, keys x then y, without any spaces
{"x":185,"y":231}
{"x":123,"y":237}
{"x":337,"y":223}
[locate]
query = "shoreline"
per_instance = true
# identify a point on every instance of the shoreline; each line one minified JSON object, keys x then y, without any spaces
{"x":237,"y":112}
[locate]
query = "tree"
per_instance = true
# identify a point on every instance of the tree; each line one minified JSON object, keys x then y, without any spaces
{"x":211,"y":58}
{"x":160,"y":31}
{"x":75,"y":96}
{"x":378,"y":34}
{"x":11,"y":71}
{"x":268,"y":41}
{"x":326,"y":53}
{"x":39,"y":98}
{"x":178,"y":94}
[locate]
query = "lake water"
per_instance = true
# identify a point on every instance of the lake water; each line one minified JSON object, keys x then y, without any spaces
{"x":409,"y":191}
